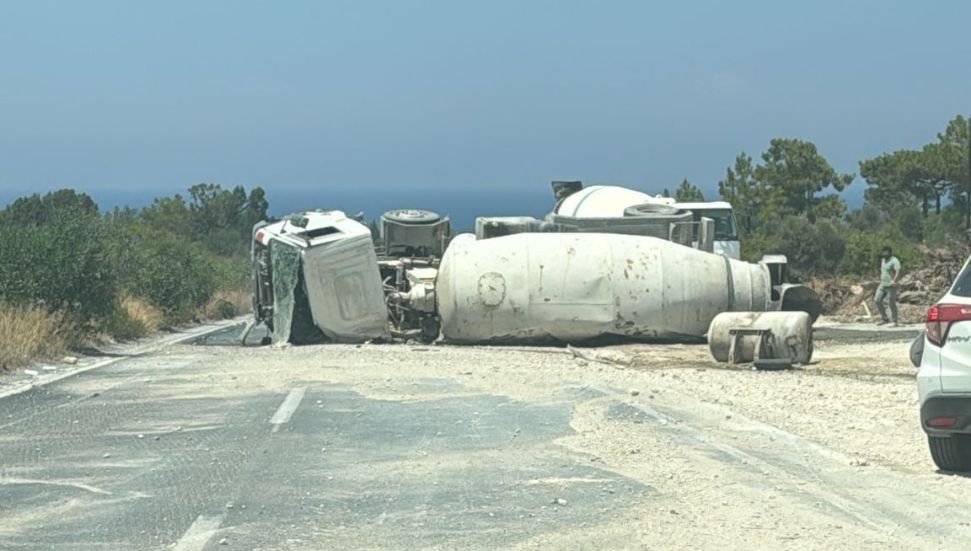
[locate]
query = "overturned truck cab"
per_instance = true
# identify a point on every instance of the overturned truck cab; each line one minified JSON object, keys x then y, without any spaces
{"x":316,"y":278}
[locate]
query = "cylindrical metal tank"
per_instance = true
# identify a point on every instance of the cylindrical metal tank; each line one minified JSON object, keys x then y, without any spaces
{"x":535,"y":287}
{"x":461,"y":239}
{"x":785,"y":335}
{"x":602,"y":202}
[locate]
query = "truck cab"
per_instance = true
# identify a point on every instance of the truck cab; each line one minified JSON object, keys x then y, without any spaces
{"x":726,"y":230}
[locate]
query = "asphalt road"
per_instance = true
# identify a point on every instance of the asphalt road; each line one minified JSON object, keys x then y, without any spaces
{"x":217,"y":447}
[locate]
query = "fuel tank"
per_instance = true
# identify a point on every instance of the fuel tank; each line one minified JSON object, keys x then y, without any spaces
{"x":739,"y":337}
{"x":549,"y":287}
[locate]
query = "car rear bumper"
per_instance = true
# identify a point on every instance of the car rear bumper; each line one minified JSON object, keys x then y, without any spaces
{"x":946,"y":414}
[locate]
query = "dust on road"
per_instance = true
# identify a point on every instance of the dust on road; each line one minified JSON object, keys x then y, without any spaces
{"x":622,"y":447}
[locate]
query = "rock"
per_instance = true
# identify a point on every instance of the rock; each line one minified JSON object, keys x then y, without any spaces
{"x":70,"y":360}
{"x":913,"y":297}
{"x":31,"y":372}
{"x":46,"y":367}
{"x":106,"y":456}
{"x":559,"y":501}
{"x":634,"y":392}
{"x":224,"y":541}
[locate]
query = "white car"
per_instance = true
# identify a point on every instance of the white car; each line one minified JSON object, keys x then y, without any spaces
{"x":944,"y":379}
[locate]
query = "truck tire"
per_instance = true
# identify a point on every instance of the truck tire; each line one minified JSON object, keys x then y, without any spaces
{"x":412,"y":216}
{"x":951,"y":453}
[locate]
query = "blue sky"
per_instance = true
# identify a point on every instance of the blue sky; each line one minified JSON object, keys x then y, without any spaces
{"x":305,"y":96}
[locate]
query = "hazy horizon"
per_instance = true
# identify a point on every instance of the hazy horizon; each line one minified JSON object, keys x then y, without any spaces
{"x":135,"y":100}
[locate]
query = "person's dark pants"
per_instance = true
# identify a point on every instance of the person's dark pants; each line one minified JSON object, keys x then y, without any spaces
{"x":886,"y":293}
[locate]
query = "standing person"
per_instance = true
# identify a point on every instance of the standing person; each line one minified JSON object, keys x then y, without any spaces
{"x":889,"y":274}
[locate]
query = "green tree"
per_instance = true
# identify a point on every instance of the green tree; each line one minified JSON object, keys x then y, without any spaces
{"x":169,"y":215}
{"x":741,"y":190}
{"x":225,"y":216}
{"x":904,"y":176}
{"x":793,"y":174}
{"x":953,"y":148}
{"x":688,"y":193}
{"x":35,"y":210}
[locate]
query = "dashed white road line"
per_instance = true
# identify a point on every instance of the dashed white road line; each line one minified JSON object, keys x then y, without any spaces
{"x":198,"y":534}
{"x":287,"y":408}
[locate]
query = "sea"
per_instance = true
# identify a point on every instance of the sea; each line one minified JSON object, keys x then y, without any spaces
{"x":461,"y":205}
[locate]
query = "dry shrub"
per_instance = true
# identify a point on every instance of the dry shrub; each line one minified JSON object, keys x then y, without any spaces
{"x":132,"y":319}
{"x":143,"y":313}
{"x":228,"y":304}
{"x":28,"y":333}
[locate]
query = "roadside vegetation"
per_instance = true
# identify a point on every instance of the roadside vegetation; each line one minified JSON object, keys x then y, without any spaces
{"x":789,"y":200}
{"x":71,"y":274}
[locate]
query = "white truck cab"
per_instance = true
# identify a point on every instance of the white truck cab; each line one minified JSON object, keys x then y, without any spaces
{"x":318,"y":271}
{"x":726,"y":230}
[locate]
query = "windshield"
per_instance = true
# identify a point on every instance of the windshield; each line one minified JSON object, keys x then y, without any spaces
{"x":725,"y":229}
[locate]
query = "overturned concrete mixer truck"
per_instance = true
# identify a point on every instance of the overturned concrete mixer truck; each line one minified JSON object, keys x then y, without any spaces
{"x":648,"y":274}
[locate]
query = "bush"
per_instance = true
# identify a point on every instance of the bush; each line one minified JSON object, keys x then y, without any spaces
{"x":945,"y":229}
{"x":176,"y":276}
{"x":811,"y":249}
{"x":62,"y":266}
{"x":132,"y":318}
{"x":862,"y":255}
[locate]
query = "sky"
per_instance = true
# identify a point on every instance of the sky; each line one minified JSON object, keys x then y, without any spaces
{"x":130,"y":100}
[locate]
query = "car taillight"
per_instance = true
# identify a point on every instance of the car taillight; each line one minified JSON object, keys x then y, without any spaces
{"x":941,"y":316}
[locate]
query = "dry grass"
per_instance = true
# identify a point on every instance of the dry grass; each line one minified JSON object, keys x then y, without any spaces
{"x":30,"y":333}
{"x":143,"y":313}
{"x":132,"y":319}
{"x":228,"y":304}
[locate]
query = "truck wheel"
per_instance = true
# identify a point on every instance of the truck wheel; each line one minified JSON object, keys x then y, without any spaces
{"x":412,"y":216}
{"x":951,"y":453}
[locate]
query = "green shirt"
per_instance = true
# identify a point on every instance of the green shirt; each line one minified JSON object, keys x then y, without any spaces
{"x":888,"y":268}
